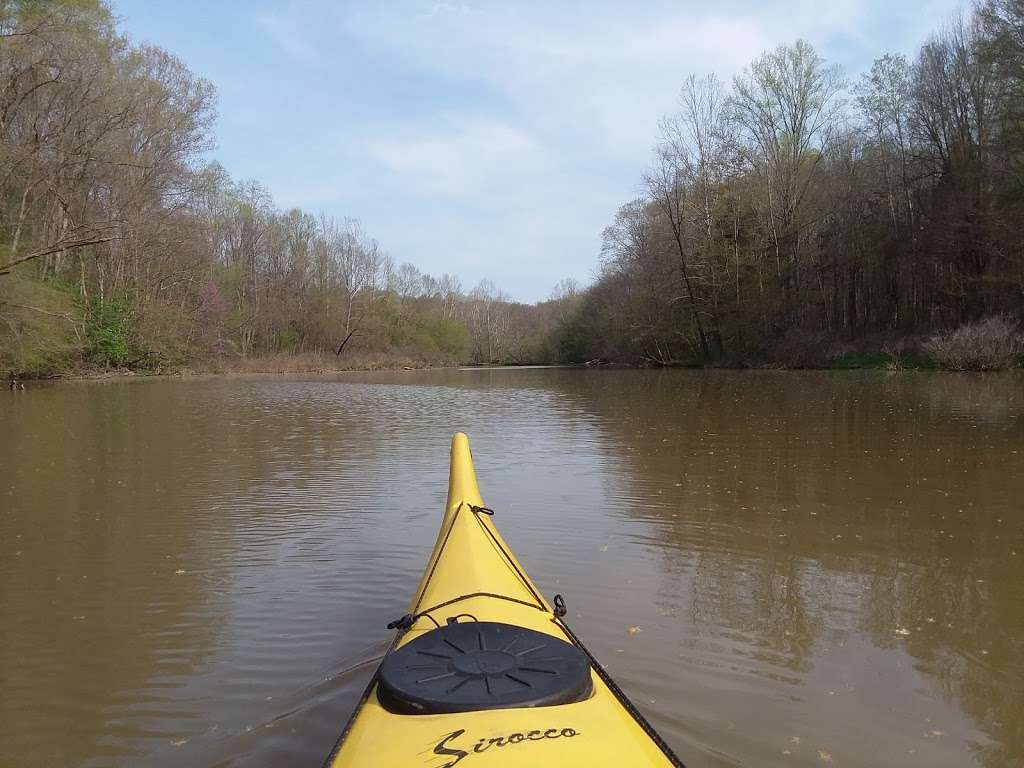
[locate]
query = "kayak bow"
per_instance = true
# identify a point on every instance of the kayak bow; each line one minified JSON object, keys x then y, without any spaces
{"x":484,"y":669}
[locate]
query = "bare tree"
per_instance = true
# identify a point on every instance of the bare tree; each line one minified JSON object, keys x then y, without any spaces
{"x":450,"y":290}
{"x":362,"y":271}
{"x":488,"y":321}
{"x":565,"y":289}
{"x":668,"y":184}
{"x":788,"y":103}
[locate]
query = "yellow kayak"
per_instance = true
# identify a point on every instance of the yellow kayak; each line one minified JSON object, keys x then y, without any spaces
{"x":485,"y":672}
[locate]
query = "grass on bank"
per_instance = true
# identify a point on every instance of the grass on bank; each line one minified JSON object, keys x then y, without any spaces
{"x":41,"y":328}
{"x":297,"y":362}
{"x":882,"y":361}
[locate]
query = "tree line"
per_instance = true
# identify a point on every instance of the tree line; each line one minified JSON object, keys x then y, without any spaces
{"x":796,"y":213}
{"x":790,"y":216}
{"x":121,"y":245}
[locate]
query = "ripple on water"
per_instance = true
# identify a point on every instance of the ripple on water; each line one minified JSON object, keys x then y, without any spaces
{"x":775,"y":566}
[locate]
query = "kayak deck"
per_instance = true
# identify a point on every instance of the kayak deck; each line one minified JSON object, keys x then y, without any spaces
{"x":473,"y":576}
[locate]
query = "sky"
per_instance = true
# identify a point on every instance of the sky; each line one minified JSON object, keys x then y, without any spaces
{"x":489,"y":140}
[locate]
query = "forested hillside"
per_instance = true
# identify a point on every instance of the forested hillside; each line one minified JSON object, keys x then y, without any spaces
{"x":121,"y":246}
{"x":798,"y":214}
{"x":795,"y":216}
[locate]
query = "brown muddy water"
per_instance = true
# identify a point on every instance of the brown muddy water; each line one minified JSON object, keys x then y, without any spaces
{"x":825,"y":568}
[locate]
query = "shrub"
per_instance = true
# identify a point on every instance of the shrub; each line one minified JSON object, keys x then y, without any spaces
{"x":896,"y":352}
{"x":110,"y":330}
{"x":159,"y":337}
{"x":991,"y":344}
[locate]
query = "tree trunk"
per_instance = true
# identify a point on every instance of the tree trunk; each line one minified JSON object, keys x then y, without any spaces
{"x":344,"y":342}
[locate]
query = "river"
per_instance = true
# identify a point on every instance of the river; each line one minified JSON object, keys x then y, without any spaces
{"x":780,"y":568}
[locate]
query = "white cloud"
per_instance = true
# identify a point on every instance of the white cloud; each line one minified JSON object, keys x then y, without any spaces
{"x":465,"y":158}
{"x":528,"y":123}
{"x":597,"y":75}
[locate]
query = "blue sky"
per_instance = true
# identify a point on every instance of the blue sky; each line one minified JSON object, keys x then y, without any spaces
{"x":487,"y":140}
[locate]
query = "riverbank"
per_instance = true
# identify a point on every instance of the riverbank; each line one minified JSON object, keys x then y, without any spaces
{"x":55,"y":334}
{"x":54,"y":343}
{"x":284,"y":364}
{"x":280,"y":364}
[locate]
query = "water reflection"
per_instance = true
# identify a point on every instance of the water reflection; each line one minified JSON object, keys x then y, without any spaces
{"x":819,"y":566}
{"x":814,"y":511}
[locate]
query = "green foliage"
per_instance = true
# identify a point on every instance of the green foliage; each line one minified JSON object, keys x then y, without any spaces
{"x":229,"y":279}
{"x":429,"y":336}
{"x":853,"y":362}
{"x":286,"y":340}
{"x":450,"y":337}
{"x":110,"y":332}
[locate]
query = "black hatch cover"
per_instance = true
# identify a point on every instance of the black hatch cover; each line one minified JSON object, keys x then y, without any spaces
{"x":482,"y":665}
